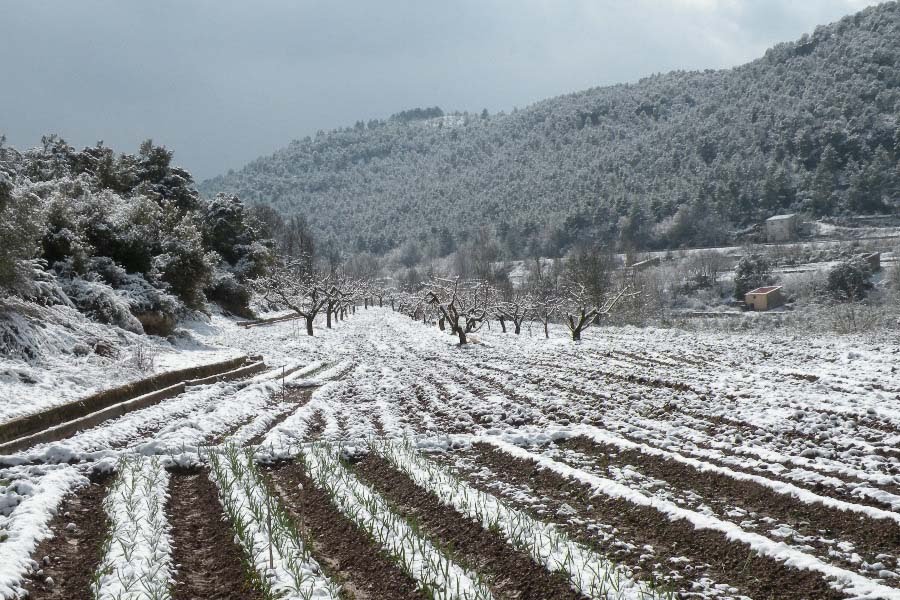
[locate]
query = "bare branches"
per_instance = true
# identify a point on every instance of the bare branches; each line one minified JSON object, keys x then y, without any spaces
{"x":461,"y":305}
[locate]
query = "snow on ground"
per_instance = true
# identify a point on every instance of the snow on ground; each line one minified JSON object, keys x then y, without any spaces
{"x":813,"y":421}
{"x":73,"y":357}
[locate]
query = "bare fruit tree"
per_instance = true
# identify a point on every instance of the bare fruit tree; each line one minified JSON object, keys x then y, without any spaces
{"x":293,"y":286}
{"x":518,"y":308}
{"x":581,"y":311}
{"x":462,"y":305}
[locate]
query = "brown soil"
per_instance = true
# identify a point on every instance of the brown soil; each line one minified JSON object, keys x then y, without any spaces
{"x":815,"y":487}
{"x":222,"y":437}
{"x":711,"y":424}
{"x":869,"y":536}
{"x":205,"y":555}
{"x":759,"y":577}
{"x":346,"y":554}
{"x":297,"y":396}
{"x":74,"y":555}
{"x":511,"y":574}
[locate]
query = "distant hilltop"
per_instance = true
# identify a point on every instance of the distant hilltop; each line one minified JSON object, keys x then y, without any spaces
{"x":680,"y":159}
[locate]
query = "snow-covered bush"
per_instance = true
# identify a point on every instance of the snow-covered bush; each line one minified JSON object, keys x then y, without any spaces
{"x":101,"y":303}
{"x":185,"y":264}
{"x":849,"y":280}
{"x":229,"y":294}
{"x":133,"y":223}
{"x":21,"y":223}
{"x":752,"y":271}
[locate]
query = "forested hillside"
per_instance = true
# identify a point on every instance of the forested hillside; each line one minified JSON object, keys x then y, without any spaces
{"x":677,"y":159}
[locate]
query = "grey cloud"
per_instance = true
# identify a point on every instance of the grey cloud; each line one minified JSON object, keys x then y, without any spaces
{"x":223,"y":82}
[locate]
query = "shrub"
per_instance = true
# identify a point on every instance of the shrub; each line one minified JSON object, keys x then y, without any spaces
{"x":231,"y":295}
{"x":751,"y":272}
{"x":21,"y":224}
{"x":101,"y":303}
{"x":184,"y":264}
{"x":849,"y":280}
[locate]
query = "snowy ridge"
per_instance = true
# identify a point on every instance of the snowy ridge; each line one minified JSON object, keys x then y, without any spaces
{"x":779,"y":487}
{"x":137,"y":556}
{"x":857,"y":586}
{"x":29,"y":524}
{"x":434,"y":571}
{"x":587,"y":572}
{"x":817,"y":471}
{"x":284,"y":566}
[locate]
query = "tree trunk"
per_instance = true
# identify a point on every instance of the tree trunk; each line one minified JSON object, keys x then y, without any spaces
{"x":503,"y":324}
{"x":462,"y":336}
{"x":546,"y":331}
{"x":518,"y":327}
{"x":441,"y":325}
{"x":366,"y":302}
{"x":380,"y":302}
{"x":328,"y":318}
{"x":576,"y":334}
{"x":309,"y":324}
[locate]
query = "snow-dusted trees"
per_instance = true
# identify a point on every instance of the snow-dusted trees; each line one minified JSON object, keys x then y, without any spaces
{"x":184,"y":264}
{"x":462,"y":305}
{"x":21,"y":224}
{"x":518,"y":306}
{"x":588,"y":292}
{"x":581,"y":309}
{"x":341,"y":293}
{"x":91,"y":213}
{"x":292,"y":287}
{"x":752,"y":271}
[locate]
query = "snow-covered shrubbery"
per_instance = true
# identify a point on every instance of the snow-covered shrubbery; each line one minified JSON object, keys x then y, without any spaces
{"x":101,"y":303}
{"x":227,"y":292}
{"x":126,"y":237}
{"x":20,"y":218}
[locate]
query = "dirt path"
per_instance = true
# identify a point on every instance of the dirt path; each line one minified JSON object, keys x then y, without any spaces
{"x":207,"y":559}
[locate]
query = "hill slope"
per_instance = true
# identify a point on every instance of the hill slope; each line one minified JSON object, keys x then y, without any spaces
{"x":674,"y":159}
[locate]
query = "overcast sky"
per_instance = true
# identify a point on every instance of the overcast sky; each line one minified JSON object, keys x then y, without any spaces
{"x":222,"y":82}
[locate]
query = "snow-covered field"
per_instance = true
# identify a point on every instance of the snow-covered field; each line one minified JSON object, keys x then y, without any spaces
{"x":638,"y":463}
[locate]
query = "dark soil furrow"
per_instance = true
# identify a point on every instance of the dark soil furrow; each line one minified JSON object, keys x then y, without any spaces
{"x":298,"y":397}
{"x":727,"y":561}
{"x":206,"y":557}
{"x":714,"y":423}
{"x":71,"y":557}
{"x":819,"y":488}
{"x":511,"y":574}
{"x":344,"y":551}
{"x":316,"y":426}
{"x":222,"y":437}
{"x":870,"y":537}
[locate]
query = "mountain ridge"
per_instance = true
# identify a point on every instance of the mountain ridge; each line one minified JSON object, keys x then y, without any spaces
{"x":674,"y":159}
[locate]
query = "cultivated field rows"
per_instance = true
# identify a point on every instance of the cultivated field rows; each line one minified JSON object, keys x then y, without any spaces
{"x":636,"y":464}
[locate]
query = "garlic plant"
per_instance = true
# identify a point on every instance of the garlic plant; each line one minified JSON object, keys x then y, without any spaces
{"x":588,"y":572}
{"x":280,"y":564}
{"x":137,"y":558}
{"x":435,"y":572}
